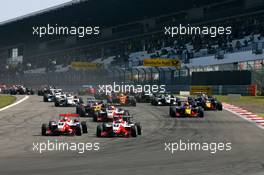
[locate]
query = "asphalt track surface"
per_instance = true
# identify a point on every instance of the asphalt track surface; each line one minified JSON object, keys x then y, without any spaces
{"x":20,"y":127}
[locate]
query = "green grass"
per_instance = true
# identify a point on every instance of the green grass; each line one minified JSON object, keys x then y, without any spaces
{"x":6,"y":100}
{"x":250,"y":103}
{"x":242,"y":100}
{"x":260,"y":114}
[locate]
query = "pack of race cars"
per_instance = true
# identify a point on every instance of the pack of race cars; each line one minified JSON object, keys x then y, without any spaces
{"x":195,"y":106}
{"x":16,"y":90}
{"x":115,"y":121}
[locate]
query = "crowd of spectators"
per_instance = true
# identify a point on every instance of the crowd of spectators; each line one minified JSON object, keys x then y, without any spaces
{"x":245,"y":31}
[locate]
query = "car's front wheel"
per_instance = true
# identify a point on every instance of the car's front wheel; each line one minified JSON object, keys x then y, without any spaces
{"x":43,"y":129}
{"x":84,"y":127}
{"x":201,"y":113}
{"x":219,"y":107}
{"x":139,"y":128}
{"x":99,"y":130}
{"x":78,"y":131}
{"x":133,"y":131}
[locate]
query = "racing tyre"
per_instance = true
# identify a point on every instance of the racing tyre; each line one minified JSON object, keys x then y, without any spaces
{"x":77,"y":111}
{"x":134,"y":131}
{"x":138,"y":128}
{"x":43,"y":129}
{"x":57,"y":103}
{"x":219,"y":107}
{"x":45,"y":99}
{"x":81,"y":112}
{"x":99,"y":130}
{"x":84,"y":127}
{"x":78,"y":131}
{"x":95,"y":116}
{"x":201,"y":113}
{"x":172,"y":113}
{"x":133,"y":102}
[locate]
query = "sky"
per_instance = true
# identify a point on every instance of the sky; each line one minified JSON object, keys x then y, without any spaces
{"x":10,"y":9}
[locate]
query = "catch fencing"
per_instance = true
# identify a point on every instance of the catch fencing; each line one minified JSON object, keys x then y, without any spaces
{"x":73,"y":80}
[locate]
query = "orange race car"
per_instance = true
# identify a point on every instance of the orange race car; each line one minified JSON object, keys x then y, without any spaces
{"x":122,"y":99}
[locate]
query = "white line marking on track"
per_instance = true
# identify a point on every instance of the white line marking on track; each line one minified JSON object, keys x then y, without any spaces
{"x":14,"y":104}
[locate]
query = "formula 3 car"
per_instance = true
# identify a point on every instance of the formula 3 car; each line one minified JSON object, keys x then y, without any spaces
{"x":122,"y":126}
{"x":66,"y":100}
{"x":143,"y":98}
{"x":121,"y":100}
{"x":184,"y":109}
{"x":68,"y":124}
{"x":51,"y":95}
{"x":208,"y":103}
{"x":20,"y":90}
{"x":44,"y":90}
{"x":107,"y":112}
{"x":164,"y":100}
{"x":90,"y":108}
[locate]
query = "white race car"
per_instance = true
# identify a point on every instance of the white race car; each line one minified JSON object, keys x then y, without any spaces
{"x":164,"y":99}
{"x":66,"y":100}
{"x":51,"y":95}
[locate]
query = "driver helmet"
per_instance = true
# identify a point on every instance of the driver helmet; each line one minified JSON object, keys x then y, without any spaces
{"x":117,"y":119}
{"x":111,"y":107}
{"x":66,"y":119}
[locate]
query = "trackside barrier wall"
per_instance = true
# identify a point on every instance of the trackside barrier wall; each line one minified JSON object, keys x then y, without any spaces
{"x":158,"y":76}
{"x":175,"y":80}
{"x":245,"y":90}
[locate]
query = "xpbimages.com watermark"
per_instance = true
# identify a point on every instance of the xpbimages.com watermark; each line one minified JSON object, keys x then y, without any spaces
{"x":48,"y":146}
{"x":185,"y":146}
{"x":80,"y":31}
{"x":123,"y":88}
{"x":211,"y":31}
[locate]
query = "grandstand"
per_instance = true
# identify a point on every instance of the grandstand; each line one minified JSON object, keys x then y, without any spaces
{"x":126,"y":37}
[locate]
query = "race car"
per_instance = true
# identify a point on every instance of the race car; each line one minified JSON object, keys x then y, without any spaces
{"x":100,"y":96}
{"x":184,"y":109}
{"x":68,"y":124}
{"x":20,"y":90}
{"x":51,"y":95}
{"x":90,"y":108}
{"x":66,"y":100}
{"x":164,"y":99}
{"x":143,"y":98}
{"x":208,"y":102}
{"x":122,"y":126}
{"x":106,"y":114}
{"x":121,"y":100}
{"x":44,"y":90}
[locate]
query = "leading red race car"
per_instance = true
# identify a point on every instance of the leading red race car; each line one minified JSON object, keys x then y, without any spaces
{"x":68,"y":124}
{"x":122,"y":126}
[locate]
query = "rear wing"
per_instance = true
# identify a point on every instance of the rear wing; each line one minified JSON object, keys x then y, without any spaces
{"x":69,"y":115}
{"x":113,"y":104}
